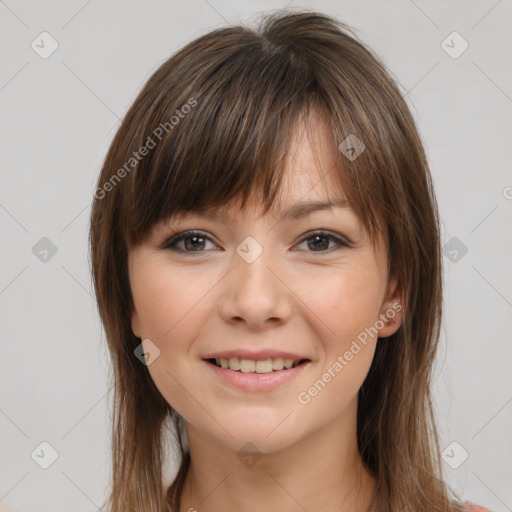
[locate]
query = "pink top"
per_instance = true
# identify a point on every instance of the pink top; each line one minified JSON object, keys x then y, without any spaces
{"x":471,"y":507}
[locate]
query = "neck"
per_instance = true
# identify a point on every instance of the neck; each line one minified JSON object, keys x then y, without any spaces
{"x":323,"y":472}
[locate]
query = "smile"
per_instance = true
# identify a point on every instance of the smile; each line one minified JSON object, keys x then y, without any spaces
{"x":256,"y":366}
{"x":256,"y":375}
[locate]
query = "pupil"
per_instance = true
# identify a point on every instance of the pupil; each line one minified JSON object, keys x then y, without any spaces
{"x":316,"y":238}
{"x":195,"y":242}
{"x":198,"y":241}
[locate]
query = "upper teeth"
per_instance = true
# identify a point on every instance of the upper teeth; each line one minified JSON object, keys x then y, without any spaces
{"x":249,"y":365}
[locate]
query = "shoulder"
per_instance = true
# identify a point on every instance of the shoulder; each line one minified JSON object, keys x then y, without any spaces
{"x":471,"y":507}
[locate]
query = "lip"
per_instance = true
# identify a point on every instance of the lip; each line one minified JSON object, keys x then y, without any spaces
{"x":256,"y":355}
{"x":257,"y":381}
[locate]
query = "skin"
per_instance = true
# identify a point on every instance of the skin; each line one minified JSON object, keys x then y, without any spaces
{"x":294,"y":296}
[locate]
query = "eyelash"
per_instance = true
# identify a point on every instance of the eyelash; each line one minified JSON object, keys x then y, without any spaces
{"x":173,"y":241}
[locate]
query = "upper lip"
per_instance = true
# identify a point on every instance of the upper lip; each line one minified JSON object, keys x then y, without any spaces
{"x":257,"y":355}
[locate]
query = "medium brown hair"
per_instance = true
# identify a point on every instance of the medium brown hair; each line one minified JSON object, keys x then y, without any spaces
{"x":216,"y":121}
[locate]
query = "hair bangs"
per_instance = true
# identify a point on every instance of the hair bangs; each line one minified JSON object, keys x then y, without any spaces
{"x":225,"y":149}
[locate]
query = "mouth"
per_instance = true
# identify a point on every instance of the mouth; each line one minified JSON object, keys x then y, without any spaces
{"x":255,"y":376}
{"x":270,"y":365}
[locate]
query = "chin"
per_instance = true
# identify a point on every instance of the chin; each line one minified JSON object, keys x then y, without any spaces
{"x":249,"y":442}
{"x":258,"y":436}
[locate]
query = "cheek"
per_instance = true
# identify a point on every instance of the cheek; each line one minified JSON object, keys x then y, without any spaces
{"x":169,"y":307}
{"x":347,"y":305}
{"x":167,"y":300}
{"x":346,"y":301}
{"x":344,"y":298}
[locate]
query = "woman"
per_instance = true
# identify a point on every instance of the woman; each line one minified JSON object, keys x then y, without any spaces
{"x":266,"y":259}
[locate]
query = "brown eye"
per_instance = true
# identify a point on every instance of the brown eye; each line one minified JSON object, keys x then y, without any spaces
{"x":318,"y":241}
{"x":192,"y":242}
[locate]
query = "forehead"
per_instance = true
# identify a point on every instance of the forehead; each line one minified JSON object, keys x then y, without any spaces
{"x":312,"y":160}
{"x":311,"y":169}
{"x":309,"y":179}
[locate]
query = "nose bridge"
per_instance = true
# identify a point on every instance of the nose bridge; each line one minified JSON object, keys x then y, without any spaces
{"x":253,"y":293}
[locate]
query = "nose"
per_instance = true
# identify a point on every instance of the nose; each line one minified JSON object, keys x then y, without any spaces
{"x":255,"y":294}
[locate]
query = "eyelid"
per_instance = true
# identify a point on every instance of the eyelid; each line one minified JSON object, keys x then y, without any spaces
{"x":177,"y":237}
{"x":340,"y":240}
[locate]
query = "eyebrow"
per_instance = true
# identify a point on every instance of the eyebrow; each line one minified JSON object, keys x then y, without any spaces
{"x":299,"y":210}
{"x":296,"y":211}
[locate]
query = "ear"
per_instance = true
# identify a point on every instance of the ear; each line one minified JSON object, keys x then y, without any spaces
{"x":392,"y":312}
{"x":135,"y":323}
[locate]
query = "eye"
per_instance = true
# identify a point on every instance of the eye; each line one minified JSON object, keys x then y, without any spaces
{"x":194,"y":241}
{"x":319,"y":240}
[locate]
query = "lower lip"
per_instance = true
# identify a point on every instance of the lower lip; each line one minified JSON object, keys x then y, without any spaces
{"x":257,"y":381}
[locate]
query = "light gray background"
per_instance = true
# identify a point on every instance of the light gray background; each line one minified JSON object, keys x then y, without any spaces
{"x":59,"y":115}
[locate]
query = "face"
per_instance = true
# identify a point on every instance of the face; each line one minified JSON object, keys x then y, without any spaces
{"x":310,"y":287}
